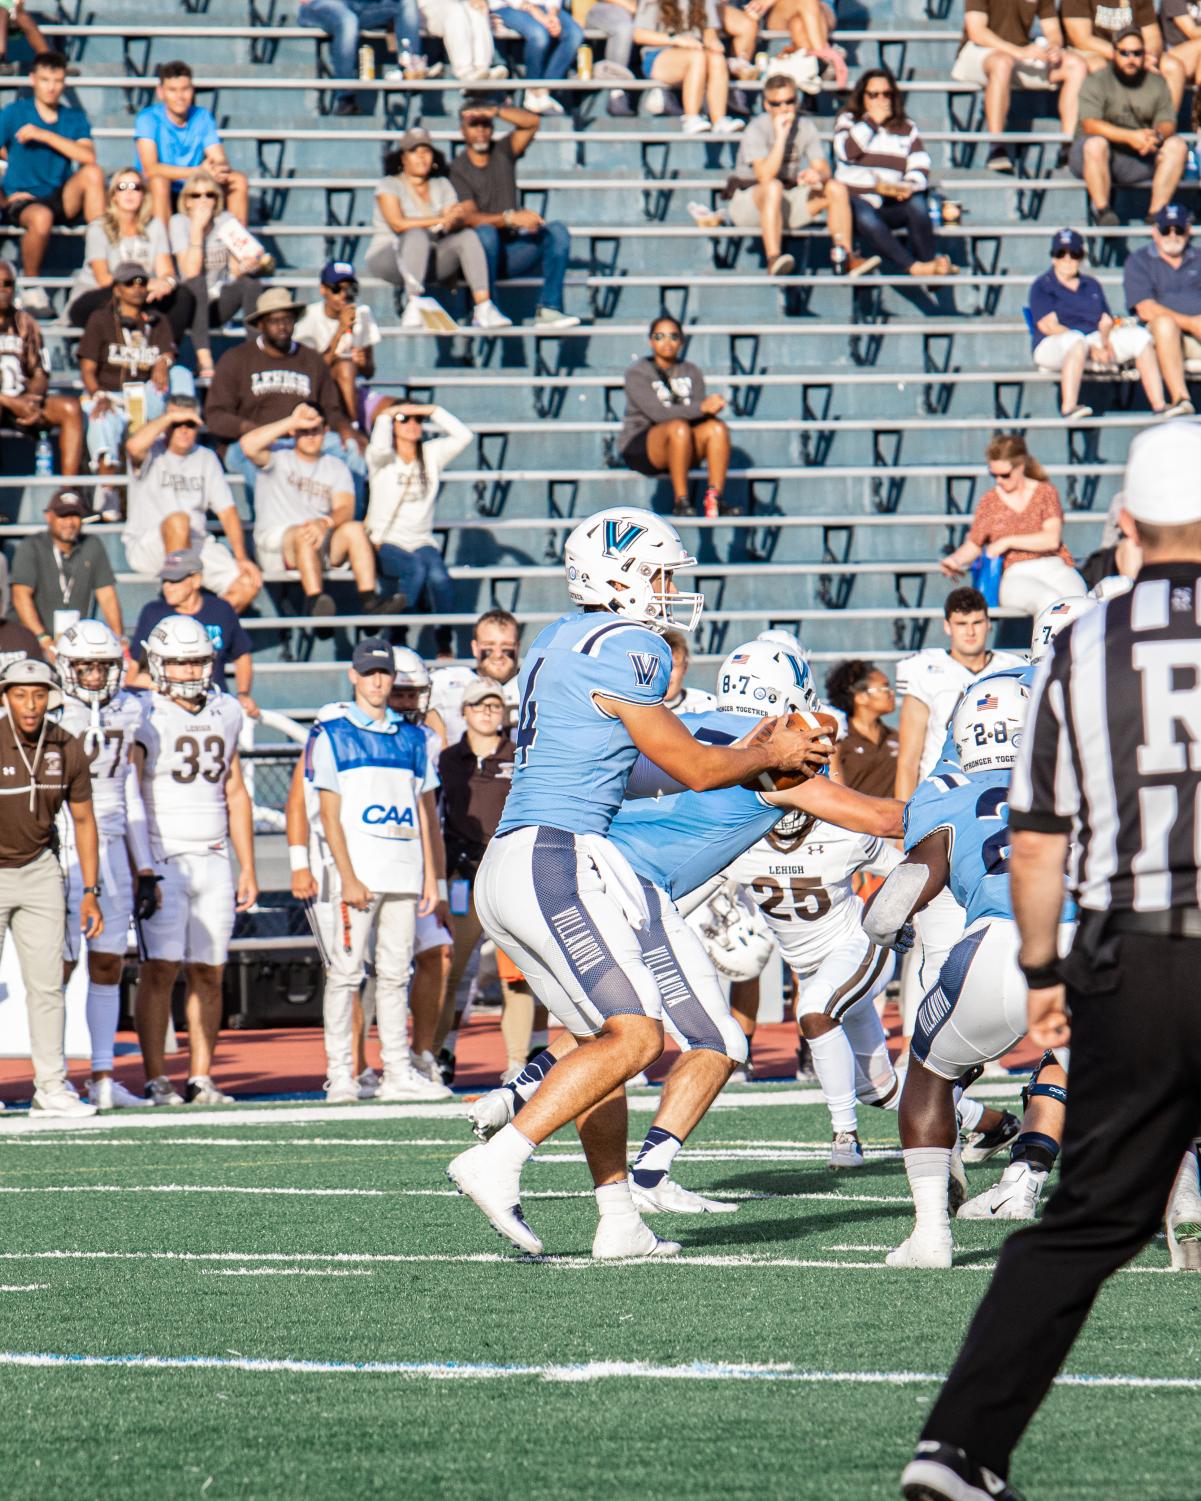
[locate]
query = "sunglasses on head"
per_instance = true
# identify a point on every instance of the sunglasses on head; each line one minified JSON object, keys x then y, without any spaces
{"x":128,"y":187}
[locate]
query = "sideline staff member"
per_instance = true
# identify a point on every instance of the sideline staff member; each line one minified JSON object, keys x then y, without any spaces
{"x":1112,"y":759}
{"x":41,"y":767}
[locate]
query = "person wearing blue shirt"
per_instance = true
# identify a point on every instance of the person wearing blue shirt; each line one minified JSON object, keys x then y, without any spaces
{"x":52,"y":175}
{"x":175,"y":137}
{"x":182,"y":576}
{"x":1072,"y":324}
{"x":1162,"y":285}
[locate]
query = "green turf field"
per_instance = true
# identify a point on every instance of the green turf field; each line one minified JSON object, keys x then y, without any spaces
{"x":776,"y":1357}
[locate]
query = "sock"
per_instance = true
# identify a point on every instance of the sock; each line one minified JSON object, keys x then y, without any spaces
{"x":1036,"y":1149}
{"x":614,"y":1198}
{"x":876,"y":1081}
{"x":528,"y":1080}
{"x":969,"y":1112}
{"x":511,"y":1147}
{"x":928,"y":1170}
{"x":656,"y":1157}
{"x":834,"y":1064}
{"x":103,"y":1005}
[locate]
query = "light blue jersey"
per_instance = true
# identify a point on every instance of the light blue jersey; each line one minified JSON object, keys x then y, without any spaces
{"x":948,"y":757}
{"x":572,"y":759}
{"x":975,"y":809}
{"x":681,"y":841}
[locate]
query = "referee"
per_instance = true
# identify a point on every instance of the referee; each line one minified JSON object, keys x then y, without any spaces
{"x":1111,"y":760}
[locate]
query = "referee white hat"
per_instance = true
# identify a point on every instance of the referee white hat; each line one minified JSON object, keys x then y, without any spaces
{"x":1163,"y":474}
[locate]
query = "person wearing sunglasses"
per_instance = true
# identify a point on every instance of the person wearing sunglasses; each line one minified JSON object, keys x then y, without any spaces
{"x":1072,"y":326}
{"x":344,"y":333}
{"x":495,"y":653}
{"x":866,"y":756}
{"x":1127,"y":134}
{"x":880,"y":157}
{"x":1162,"y":285}
{"x":24,"y":379}
{"x":1093,"y":29}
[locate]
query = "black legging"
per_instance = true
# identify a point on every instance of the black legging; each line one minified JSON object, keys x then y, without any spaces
{"x":178,"y":307}
{"x":215,"y":312}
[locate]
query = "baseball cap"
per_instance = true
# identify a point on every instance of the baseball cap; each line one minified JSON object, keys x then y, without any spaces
{"x":373,"y":654}
{"x":129,"y":271}
{"x":1067,"y":239}
{"x":1163,"y":474}
{"x":181,"y":564}
{"x":1173,"y":216}
{"x":68,"y":503}
{"x":333,"y":273}
{"x":29,"y":670}
{"x":478,"y":690}
{"x":415,"y":137}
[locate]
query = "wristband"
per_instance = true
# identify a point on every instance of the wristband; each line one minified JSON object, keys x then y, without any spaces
{"x":1041,"y":976}
{"x":298,"y":857}
{"x":443,"y":893}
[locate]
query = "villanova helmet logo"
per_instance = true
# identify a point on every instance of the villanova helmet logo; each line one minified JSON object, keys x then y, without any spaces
{"x":620,"y":535}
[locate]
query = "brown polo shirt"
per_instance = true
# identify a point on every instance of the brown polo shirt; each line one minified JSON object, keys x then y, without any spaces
{"x":62,"y":776}
{"x":473,"y":798}
{"x":866,"y":766}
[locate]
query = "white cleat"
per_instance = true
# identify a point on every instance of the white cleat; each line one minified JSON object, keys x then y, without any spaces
{"x":492,"y":1112}
{"x":1014,"y":1196}
{"x":342,"y":1089}
{"x":932,"y":1252}
{"x":405,"y":1083}
{"x":424,"y":1064}
{"x":669,"y":1197}
{"x":495,"y":1195}
{"x":60,"y":1101}
{"x":1184,"y":1244}
{"x":622,"y":1236}
{"x":846,"y":1150}
{"x":202,"y":1091}
{"x":108,"y":1094}
{"x":368,"y":1083}
{"x":161,"y":1091}
{"x":1182,"y":1223}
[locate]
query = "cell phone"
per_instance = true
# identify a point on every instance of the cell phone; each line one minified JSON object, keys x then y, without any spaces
{"x":460,"y":897}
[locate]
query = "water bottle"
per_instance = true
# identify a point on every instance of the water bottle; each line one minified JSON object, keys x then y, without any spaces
{"x":934,"y":202}
{"x":838,"y":260}
{"x":43,"y":456}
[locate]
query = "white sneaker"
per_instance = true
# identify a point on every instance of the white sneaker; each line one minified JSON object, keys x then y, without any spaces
{"x":922,"y":1250}
{"x":1013,"y":1197}
{"x":694,"y":125}
{"x":411,"y":317}
{"x":407,"y":1084}
{"x":498,"y":70}
{"x":846,"y":1150}
{"x":60,"y":1101}
{"x":654,"y":101}
{"x":669,"y":1197}
{"x":488,"y":315}
{"x":492,"y":1112}
{"x":620,"y":1236}
{"x":497,"y":1194}
{"x":368,"y":1082}
{"x":108,"y":1094}
{"x":638,"y":1080}
{"x":202,"y":1091}
{"x":161,"y":1091}
{"x":728,"y":125}
{"x":426,"y":1065}
{"x":34,"y":300}
{"x":542,"y":102}
{"x":553,"y":317}
{"x":342,"y":1089}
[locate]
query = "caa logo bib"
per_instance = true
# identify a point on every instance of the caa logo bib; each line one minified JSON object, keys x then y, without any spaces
{"x":377,"y":813}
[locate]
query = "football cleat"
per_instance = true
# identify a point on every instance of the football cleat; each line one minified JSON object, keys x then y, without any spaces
{"x":979,"y":1146}
{"x":368,"y":1083}
{"x":1013,"y":1197}
{"x":446,"y":1065}
{"x":342,"y":1089}
{"x":669,"y":1197}
{"x":161,"y":1091}
{"x":202,"y":1091}
{"x":846,"y":1150}
{"x":405,"y":1083}
{"x":941,"y":1472}
{"x":620,"y":1236}
{"x":1184,"y":1244}
{"x":426,"y":1065}
{"x":956,"y":1181}
{"x":109,"y":1094}
{"x":495,"y":1192}
{"x":492,"y":1111}
{"x":923,"y":1249}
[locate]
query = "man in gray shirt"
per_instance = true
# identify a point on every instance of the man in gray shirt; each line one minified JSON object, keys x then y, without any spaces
{"x":785,"y":182}
{"x":58,"y":573}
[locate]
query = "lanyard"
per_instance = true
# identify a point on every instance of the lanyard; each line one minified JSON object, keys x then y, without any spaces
{"x":65,"y":584}
{"x":30,"y":766}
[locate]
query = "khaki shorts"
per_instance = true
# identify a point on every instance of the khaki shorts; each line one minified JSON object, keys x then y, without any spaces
{"x":969,"y":68}
{"x":269,"y":548}
{"x":145,"y":554}
{"x":797,"y":214}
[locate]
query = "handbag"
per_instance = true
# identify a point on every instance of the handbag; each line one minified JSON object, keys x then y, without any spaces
{"x":986,"y":576}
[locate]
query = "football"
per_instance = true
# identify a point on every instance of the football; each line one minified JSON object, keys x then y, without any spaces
{"x":781,"y":781}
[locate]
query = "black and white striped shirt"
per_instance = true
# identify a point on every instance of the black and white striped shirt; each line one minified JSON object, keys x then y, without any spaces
{"x":1112,"y":751}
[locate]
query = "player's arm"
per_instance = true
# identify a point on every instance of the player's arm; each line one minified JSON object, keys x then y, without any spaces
{"x":836,"y":803}
{"x":433,"y":854}
{"x":354,"y":893}
{"x":87,"y":847}
{"x":296,"y":828}
{"x":137,"y":840}
{"x":916,"y":881}
{"x":241,"y":833}
{"x":911,"y":736}
{"x":436,"y":723}
{"x":1036,"y":866}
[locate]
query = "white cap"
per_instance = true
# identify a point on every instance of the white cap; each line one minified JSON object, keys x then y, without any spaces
{"x":1163,"y":474}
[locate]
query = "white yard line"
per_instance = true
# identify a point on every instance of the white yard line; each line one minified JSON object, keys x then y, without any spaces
{"x":404,"y":1193}
{"x":286,"y":1271}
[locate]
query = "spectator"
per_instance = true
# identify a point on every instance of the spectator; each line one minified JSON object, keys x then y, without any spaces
{"x":123,"y":343}
{"x":52,"y":176}
{"x":13,"y":13}
{"x":344,"y":19}
{"x":218,"y":262}
{"x":1073,"y":324}
{"x":550,"y":38}
{"x":406,"y":472}
{"x":1162,"y":284}
{"x":782,"y":181}
{"x":866,"y":755}
{"x":1181,"y":22}
{"x":686,"y":52}
{"x":1021,"y":520}
{"x":516,"y":240}
{"x":174,"y":484}
{"x":177,"y":138}
{"x":265,"y":378}
{"x":24,"y":390}
{"x":344,"y":333}
{"x":616,"y":19}
{"x":60,"y":576}
{"x":126,"y":234}
{"x":495,"y":648}
{"x":304,"y":517}
{"x":670,"y":423}
{"x":1127,"y":132}
{"x":1120,"y":559}
{"x":182,"y":592}
{"x":886,"y":168}
{"x":809,"y":24}
{"x":680,"y":699}
{"x":420,"y":225}
{"x":465,"y":30}
{"x":1094,"y":27}
{"x":997,"y":50}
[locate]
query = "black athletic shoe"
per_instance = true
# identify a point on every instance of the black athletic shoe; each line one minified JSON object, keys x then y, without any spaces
{"x":941,"y":1472}
{"x":979,"y":1146}
{"x":446,"y":1066}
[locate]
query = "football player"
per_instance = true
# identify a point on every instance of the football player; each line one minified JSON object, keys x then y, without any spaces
{"x":495,"y":645}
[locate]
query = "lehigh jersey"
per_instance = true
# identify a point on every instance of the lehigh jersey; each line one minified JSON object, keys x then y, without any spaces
{"x":937,"y":680}
{"x":692,"y":701}
{"x":188,"y":760}
{"x":974,"y":810}
{"x":802,"y":885}
{"x":447,"y":686}
{"x":108,"y":742}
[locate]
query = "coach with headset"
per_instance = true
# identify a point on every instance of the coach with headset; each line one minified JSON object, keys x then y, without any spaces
{"x":1112,"y":763}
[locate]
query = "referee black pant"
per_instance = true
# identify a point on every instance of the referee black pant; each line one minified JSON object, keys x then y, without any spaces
{"x":1134,"y":1102}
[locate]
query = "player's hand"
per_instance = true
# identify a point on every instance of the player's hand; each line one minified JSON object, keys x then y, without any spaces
{"x":1048,"y":1025}
{"x":248,"y":891}
{"x":304,"y":886}
{"x":429,"y":898}
{"x":798,"y":750}
{"x":91,"y":923}
{"x":147,"y":896}
{"x":903,"y":939}
{"x":356,"y":895}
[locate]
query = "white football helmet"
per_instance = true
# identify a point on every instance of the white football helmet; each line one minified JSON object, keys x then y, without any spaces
{"x":1055,"y":617}
{"x":988,"y":722}
{"x":619,"y":559}
{"x":762,"y":677}
{"x":1113,"y":587}
{"x":89,"y":641}
{"x":180,"y":638}
{"x":789,"y":640}
{"x":734,"y":932}
{"x":411,"y":672}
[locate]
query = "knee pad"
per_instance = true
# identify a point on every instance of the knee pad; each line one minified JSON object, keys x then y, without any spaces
{"x":1047,"y":1091}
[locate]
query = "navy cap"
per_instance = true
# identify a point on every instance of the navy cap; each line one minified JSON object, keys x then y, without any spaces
{"x":1070,"y":240}
{"x":1174,"y":216}
{"x":335,"y":272}
{"x":373,"y":654}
